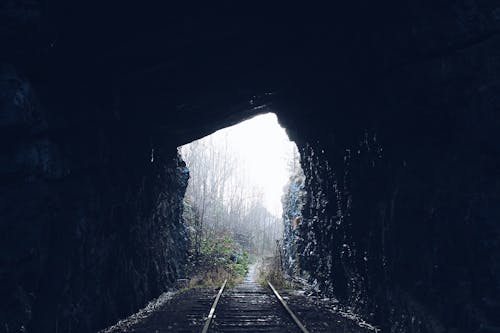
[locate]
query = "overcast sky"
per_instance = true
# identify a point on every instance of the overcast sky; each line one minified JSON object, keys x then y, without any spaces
{"x":265,"y":150}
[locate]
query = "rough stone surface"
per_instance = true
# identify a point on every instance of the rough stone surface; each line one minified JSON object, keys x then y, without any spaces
{"x":400,"y":220}
{"x":90,"y":230}
{"x":406,"y":241}
{"x":292,"y":201}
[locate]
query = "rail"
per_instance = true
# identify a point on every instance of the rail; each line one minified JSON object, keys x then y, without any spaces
{"x":211,"y":314}
{"x":212,"y":309}
{"x":282,"y":301}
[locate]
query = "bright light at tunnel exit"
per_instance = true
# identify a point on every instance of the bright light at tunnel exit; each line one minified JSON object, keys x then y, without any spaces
{"x":265,"y":150}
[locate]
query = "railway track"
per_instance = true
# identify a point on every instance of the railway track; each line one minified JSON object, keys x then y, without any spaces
{"x":251,"y":308}
{"x":247,"y":307}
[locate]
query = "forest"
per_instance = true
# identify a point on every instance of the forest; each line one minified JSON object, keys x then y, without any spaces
{"x":225,"y":208}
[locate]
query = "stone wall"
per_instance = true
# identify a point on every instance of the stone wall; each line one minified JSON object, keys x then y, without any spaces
{"x":292,"y":201}
{"x":400,"y":220}
{"x":91,"y":225}
{"x":401,"y":167}
{"x":405,"y":236}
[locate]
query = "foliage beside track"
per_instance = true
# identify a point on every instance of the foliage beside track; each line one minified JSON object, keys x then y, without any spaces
{"x":219,"y":259}
{"x":270,"y":270}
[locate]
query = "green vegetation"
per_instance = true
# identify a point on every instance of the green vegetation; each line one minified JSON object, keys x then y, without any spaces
{"x":219,"y":259}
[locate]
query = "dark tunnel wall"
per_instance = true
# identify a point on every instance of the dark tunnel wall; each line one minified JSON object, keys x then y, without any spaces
{"x":394,"y":107}
{"x":400,"y":220}
{"x":91,"y":224}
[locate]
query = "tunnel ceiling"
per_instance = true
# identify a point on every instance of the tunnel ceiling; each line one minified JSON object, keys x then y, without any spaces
{"x":181,"y":68}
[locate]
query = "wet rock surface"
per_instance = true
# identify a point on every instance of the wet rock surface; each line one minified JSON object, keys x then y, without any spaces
{"x":403,"y":232}
{"x":292,"y":200}
{"x":399,"y":220}
{"x":91,"y":226}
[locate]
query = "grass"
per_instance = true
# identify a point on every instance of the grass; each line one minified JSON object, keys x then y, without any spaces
{"x":214,"y":279}
{"x":270,"y":270}
{"x":221,"y":258}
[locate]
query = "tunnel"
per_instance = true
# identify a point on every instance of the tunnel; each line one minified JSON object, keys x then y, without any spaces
{"x":393,"y":107}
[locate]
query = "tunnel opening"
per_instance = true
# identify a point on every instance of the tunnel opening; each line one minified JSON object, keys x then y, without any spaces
{"x":398,"y":143}
{"x":239,"y":180}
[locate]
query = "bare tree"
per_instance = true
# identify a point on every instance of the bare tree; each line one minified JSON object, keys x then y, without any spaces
{"x":226,"y":200}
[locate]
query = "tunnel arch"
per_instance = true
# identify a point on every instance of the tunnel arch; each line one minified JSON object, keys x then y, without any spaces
{"x":393,"y":107}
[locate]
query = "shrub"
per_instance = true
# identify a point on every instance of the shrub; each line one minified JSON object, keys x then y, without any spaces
{"x":220,"y":258}
{"x":270,"y":270}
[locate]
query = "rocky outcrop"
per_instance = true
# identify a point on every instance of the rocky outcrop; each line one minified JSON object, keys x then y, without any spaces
{"x":91,"y":225}
{"x":292,"y":202}
{"x":400,"y":220}
{"x":404,"y":235}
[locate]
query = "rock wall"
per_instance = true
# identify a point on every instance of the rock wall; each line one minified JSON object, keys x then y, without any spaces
{"x":292,"y":202}
{"x":91,"y":225}
{"x":406,"y":236}
{"x":400,"y":220}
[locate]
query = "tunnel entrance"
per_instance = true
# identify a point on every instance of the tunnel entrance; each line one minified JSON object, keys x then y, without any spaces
{"x":233,"y":202}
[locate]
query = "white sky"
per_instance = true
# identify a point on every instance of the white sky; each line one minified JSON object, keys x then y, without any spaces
{"x":265,"y":149}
